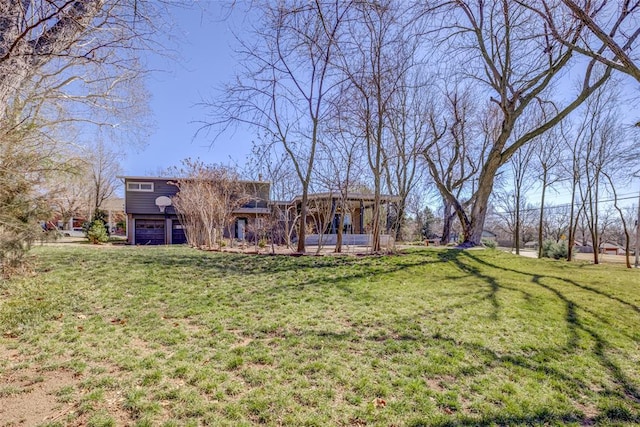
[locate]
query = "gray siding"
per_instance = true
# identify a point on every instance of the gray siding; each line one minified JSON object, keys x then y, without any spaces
{"x":261,"y":192}
{"x":144,"y":202}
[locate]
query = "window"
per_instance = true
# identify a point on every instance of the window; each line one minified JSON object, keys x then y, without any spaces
{"x":139,"y":186}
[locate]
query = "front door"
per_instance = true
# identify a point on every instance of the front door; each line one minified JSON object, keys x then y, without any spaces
{"x":177,"y":233}
{"x":242,"y":223}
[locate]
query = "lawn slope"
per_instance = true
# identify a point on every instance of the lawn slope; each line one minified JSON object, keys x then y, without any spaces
{"x":173,"y":336}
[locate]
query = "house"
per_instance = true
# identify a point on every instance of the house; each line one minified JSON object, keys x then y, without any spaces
{"x":114,"y":207}
{"x":325,"y":211}
{"x":606,"y":248}
{"x":611,"y":249}
{"x":489,"y":235}
{"x":152,"y":220}
{"x":455,"y":238}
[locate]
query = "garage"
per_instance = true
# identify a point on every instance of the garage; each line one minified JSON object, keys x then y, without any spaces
{"x":177,"y":233}
{"x":149,"y":232}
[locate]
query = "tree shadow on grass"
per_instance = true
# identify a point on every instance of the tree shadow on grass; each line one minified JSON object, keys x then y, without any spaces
{"x":351,"y":270}
{"x":232,"y":264}
{"x":626,"y":389}
{"x":539,"y":417}
{"x":357,"y":269}
{"x":215,"y":263}
{"x":453,"y":256}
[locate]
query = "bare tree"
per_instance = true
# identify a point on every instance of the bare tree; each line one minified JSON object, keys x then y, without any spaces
{"x":103,"y":170}
{"x":67,"y":193}
{"x":70,"y":61}
{"x":267,"y":162}
{"x":322,"y":211}
{"x":516,"y":221}
{"x":289,"y":84}
{"x":454,"y":154}
{"x":376,"y":60}
{"x":86,"y":179}
{"x":521,"y":182}
{"x":556,"y":224}
{"x":206,"y":199}
{"x":516,"y":64}
{"x":625,"y":229}
{"x":65,"y":64}
{"x":340,"y":161}
{"x":571,"y":144}
{"x":596,"y":151}
{"x":548,"y":158}
{"x":608,"y":30}
{"x":409,"y":134}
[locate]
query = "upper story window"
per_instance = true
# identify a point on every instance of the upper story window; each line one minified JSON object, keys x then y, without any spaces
{"x":139,"y":186}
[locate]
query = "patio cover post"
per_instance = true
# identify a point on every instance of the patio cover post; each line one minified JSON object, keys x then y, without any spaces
{"x":361,"y":217}
{"x":333,"y":215}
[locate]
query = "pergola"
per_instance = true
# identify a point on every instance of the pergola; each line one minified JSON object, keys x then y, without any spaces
{"x":326,"y":209}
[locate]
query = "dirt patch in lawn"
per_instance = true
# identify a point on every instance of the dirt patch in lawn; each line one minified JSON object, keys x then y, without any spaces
{"x":30,"y":396}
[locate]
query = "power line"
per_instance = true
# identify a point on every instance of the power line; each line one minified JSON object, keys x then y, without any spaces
{"x":568,"y":205}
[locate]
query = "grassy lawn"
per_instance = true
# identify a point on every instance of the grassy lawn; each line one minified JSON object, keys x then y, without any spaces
{"x":173,"y":336}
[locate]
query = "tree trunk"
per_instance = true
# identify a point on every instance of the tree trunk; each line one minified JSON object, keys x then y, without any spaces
{"x":593,"y":223}
{"x":595,"y":241}
{"x":573,"y":223}
{"x":541,"y":219}
{"x":516,"y":233}
{"x":377,"y":171}
{"x":627,"y":248}
{"x":474,"y":224}
{"x":302,"y":229}
{"x":398,"y":225}
{"x":338,"y":248}
{"x":375,"y":226}
{"x":446,"y":222}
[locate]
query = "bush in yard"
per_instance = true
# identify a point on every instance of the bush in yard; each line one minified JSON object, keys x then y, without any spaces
{"x":491,"y":244}
{"x":551,"y":249}
{"x":97,"y":233}
{"x":99,"y":215}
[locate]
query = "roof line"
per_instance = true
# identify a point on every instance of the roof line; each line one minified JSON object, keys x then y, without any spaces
{"x":166,"y":178}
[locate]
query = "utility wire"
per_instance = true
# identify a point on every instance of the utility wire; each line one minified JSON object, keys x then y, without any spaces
{"x":566,"y":205}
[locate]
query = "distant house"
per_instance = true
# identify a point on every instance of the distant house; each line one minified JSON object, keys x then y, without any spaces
{"x":455,"y":237}
{"x":611,"y":249}
{"x":152,"y":220}
{"x":72,"y":225}
{"x":605,"y":248}
{"x":489,"y":235}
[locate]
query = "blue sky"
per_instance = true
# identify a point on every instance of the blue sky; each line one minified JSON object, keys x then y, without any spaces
{"x":205,"y":61}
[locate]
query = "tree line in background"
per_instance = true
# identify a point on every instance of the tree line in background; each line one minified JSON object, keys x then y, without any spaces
{"x":590,"y":157}
{"x":69,"y":73}
{"x":470,"y":100}
{"x":461,"y":95}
